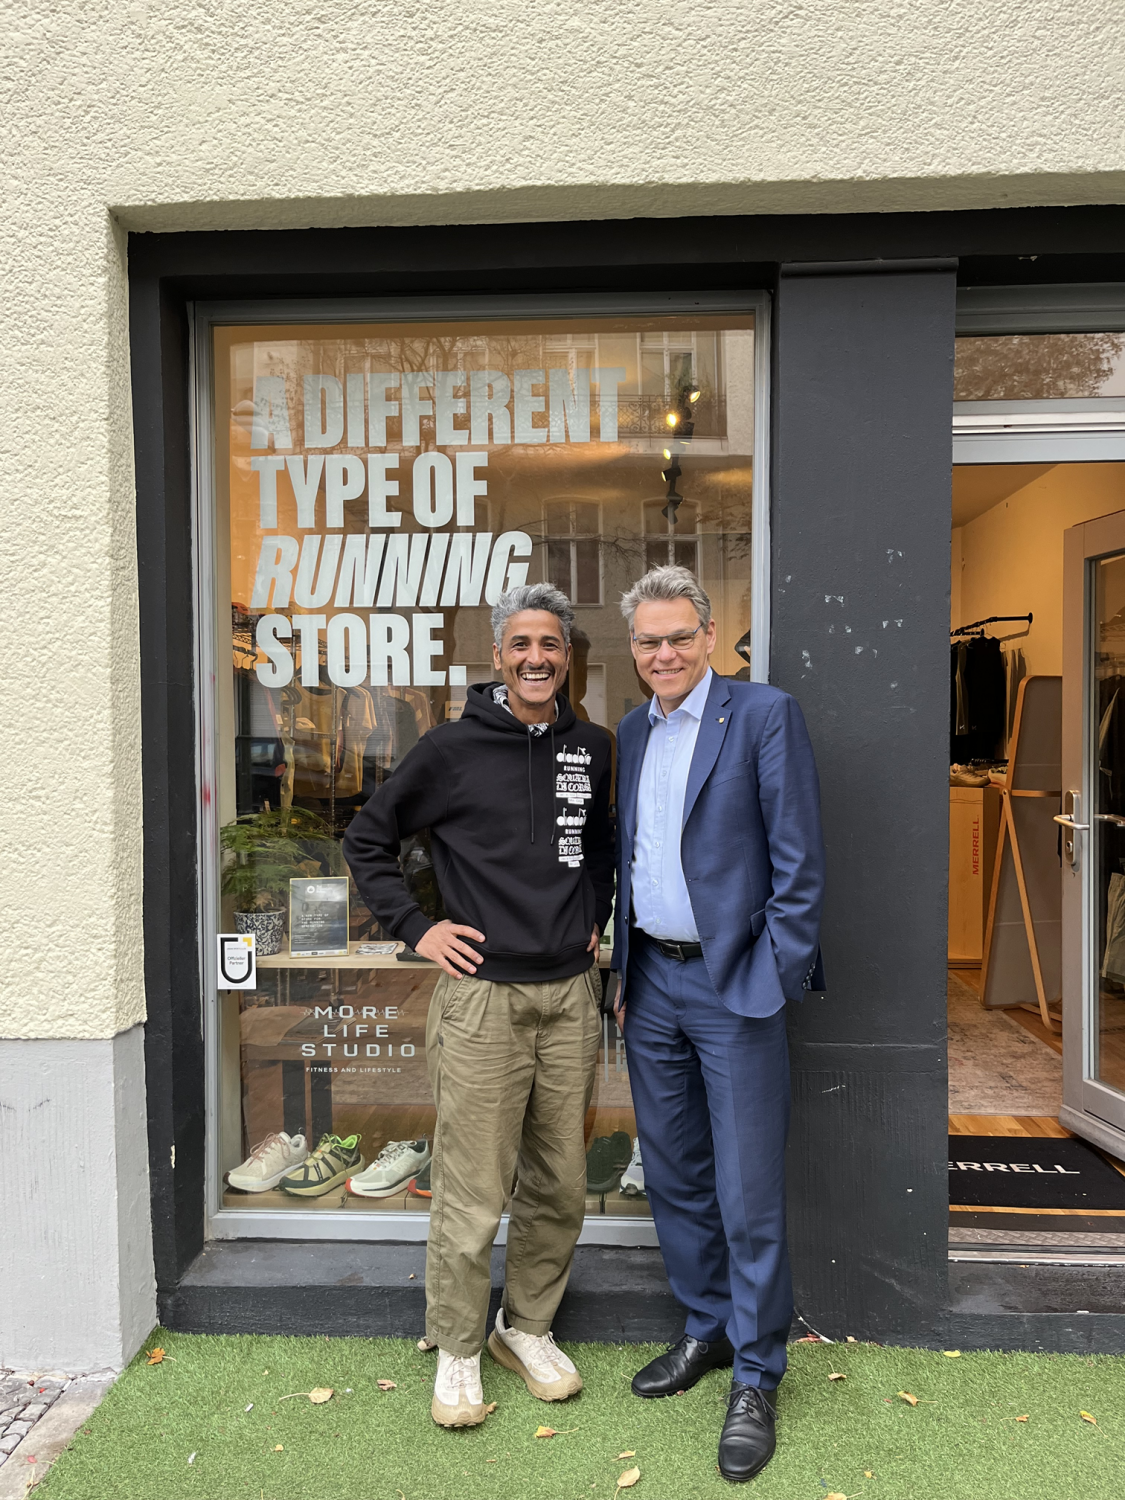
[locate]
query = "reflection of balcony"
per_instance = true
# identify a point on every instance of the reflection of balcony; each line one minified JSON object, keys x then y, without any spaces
{"x":644,"y":416}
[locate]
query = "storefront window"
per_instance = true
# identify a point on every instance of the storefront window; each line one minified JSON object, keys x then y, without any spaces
{"x":1039,"y":366}
{"x":377,"y":486}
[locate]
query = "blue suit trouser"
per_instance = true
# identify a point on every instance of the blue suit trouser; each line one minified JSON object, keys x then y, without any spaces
{"x":711,"y":1095}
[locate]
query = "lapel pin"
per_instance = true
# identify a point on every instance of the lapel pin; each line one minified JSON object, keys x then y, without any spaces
{"x":723,"y":720}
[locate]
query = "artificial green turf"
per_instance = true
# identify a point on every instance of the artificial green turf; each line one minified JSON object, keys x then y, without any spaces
{"x":962,"y":1442}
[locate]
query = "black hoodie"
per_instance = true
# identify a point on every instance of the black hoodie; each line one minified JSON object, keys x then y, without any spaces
{"x":520,"y":833}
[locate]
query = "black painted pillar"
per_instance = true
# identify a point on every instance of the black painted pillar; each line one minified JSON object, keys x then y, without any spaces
{"x":862,"y":399}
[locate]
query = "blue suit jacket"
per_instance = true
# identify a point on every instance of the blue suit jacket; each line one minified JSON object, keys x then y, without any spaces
{"x":751,"y":846}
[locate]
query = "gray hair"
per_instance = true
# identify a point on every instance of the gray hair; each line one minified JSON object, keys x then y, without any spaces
{"x":531,"y":596}
{"x":660,"y":584}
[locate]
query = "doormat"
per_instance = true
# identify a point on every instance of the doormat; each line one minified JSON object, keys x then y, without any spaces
{"x":1006,"y":1171}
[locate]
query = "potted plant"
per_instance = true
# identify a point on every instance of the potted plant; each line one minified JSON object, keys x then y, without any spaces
{"x":269,"y":849}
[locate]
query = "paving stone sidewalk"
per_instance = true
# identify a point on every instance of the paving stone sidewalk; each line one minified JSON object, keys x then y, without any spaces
{"x":24,"y":1398}
{"x":39,"y":1414}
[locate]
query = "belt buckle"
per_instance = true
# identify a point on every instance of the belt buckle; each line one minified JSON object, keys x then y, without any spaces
{"x":679,"y":952}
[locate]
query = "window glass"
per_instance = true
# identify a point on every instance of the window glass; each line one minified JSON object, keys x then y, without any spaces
{"x":377,"y":487}
{"x":1039,"y":366}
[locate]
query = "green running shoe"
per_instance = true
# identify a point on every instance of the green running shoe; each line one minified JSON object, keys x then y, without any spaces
{"x":606,"y":1159}
{"x":331,"y":1164}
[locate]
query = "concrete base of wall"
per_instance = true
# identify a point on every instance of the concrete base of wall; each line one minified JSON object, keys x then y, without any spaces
{"x":79,"y":1291}
{"x":379,"y":1291}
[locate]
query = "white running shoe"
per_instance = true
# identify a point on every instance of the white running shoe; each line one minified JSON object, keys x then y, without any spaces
{"x":458,"y":1397}
{"x":391,"y":1170}
{"x":633,"y":1178}
{"x":536,"y":1359}
{"x":270,"y":1161}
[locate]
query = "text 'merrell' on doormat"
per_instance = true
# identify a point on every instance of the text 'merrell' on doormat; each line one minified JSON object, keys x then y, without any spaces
{"x":1002,"y":1171}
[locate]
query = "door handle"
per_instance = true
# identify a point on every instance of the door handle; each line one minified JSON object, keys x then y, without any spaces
{"x":1068,"y":822}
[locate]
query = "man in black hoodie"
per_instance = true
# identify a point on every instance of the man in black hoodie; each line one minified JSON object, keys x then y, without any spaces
{"x":516,"y":795}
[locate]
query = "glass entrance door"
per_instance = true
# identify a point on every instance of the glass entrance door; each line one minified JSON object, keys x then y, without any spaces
{"x":1092,"y":824}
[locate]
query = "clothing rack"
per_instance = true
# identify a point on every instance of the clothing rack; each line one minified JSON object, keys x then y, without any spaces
{"x":992,"y":620}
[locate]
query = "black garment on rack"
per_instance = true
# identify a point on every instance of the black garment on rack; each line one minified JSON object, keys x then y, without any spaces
{"x":977,"y":684}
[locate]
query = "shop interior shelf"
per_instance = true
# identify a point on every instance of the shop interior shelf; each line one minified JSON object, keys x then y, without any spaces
{"x":355,"y":960}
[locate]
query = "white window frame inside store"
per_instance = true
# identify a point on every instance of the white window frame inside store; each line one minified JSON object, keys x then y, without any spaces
{"x":1030,"y":432}
{"x":227,"y":1223}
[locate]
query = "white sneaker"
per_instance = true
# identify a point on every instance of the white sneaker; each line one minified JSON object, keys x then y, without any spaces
{"x":633,"y":1178}
{"x":458,"y":1397}
{"x":536,"y":1359}
{"x":391,"y":1170}
{"x":270,"y":1161}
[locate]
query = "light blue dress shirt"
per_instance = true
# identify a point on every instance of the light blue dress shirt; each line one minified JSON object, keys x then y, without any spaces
{"x":660,"y":894}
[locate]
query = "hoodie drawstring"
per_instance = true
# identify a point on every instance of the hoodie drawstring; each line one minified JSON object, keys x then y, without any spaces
{"x":555,"y":786}
{"x":554,"y":789}
{"x":530,"y":789}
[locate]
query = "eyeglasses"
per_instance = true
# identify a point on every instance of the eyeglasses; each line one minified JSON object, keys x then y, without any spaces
{"x":647,"y":645}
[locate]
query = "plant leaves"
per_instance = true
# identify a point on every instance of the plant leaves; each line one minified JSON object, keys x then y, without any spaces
{"x":835,"y":1495}
{"x":322,"y":1394}
{"x":1086,"y":1417}
{"x":952,"y":1353}
{"x":908,"y":1398}
{"x":156,"y":1356}
{"x":489,"y":1409}
{"x":629,"y":1453}
{"x":837,"y":1376}
{"x":278,"y":1448}
{"x":386,"y":1385}
{"x":628,"y":1479}
{"x":1021,"y":1419}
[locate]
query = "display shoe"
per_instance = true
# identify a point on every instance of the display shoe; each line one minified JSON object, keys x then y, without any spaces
{"x":748,"y":1438}
{"x":606,"y":1159}
{"x":391,"y":1170}
{"x":458,"y":1398}
{"x":419,"y":1187}
{"x":536,"y":1359}
{"x":633,"y":1177}
{"x":329,"y":1165}
{"x":682,"y":1365}
{"x":270,"y":1161}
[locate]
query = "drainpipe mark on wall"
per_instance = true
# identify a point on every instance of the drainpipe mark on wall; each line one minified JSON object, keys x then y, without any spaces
{"x":828,"y":598}
{"x":807,"y":660}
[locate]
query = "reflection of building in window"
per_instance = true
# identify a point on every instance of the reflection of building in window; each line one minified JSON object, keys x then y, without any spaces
{"x":668,"y":541}
{"x":658,"y":364}
{"x":572,"y":528}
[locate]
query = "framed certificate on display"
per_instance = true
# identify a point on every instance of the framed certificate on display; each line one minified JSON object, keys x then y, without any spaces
{"x":318,"y":917}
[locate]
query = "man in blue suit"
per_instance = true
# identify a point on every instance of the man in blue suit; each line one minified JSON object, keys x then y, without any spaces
{"x":719,"y":885}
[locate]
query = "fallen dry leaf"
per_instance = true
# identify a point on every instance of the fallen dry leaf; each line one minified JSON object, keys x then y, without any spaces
{"x":386,"y":1385}
{"x":850,"y":1339}
{"x":278,"y":1448}
{"x":156,"y":1356}
{"x":869,"y":1473}
{"x":835,"y":1495}
{"x":952,"y":1353}
{"x":489,"y":1409}
{"x":628,"y":1479}
{"x":1021,"y":1419}
{"x":908,"y":1398}
{"x":1086,"y":1417}
{"x":546,"y":1432}
{"x":629,"y":1453}
{"x":837,"y":1376}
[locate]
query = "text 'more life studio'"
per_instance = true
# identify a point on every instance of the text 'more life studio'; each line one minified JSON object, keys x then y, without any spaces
{"x":899,"y":479}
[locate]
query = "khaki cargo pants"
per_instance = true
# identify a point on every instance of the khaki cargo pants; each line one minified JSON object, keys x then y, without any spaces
{"x":512,"y":1070}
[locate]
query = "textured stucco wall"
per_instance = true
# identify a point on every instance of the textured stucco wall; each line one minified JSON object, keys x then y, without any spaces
{"x":168,"y":115}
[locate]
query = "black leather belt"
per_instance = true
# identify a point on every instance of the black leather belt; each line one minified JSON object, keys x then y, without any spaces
{"x":679,"y":951}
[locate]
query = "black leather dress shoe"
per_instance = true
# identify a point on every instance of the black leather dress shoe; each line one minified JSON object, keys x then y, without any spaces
{"x":748,"y":1440}
{"x":682,"y":1366}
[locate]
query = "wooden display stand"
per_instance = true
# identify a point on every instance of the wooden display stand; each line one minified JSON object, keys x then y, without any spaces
{"x":974,"y":824}
{"x":1023,"y":939}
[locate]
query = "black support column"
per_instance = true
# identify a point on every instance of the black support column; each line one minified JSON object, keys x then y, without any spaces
{"x":862,"y":403}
